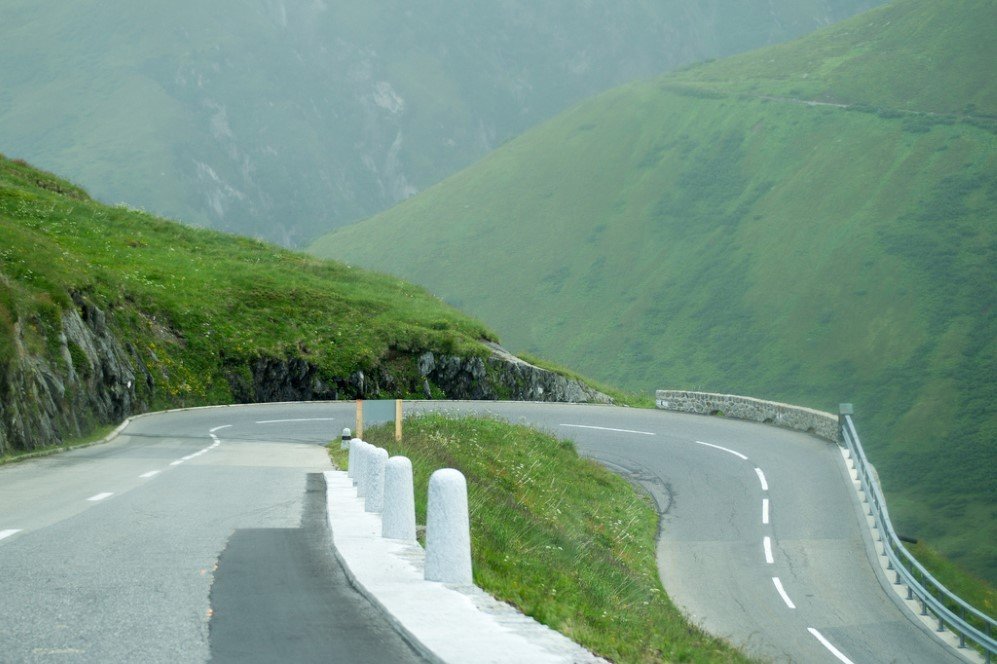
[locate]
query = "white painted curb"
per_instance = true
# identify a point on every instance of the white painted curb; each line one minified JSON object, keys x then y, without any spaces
{"x":448,"y":624}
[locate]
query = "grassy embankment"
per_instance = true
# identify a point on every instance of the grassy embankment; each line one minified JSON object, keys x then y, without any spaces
{"x":811,"y":223}
{"x":199,"y":307}
{"x":565,"y":540}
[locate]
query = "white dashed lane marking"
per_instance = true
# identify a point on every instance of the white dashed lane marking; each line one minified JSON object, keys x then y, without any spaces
{"x":585,"y":426}
{"x":4,"y":534}
{"x":99,"y":497}
{"x":723,"y":449}
{"x":782,"y":592}
{"x":827,"y":644}
{"x":761,"y":478}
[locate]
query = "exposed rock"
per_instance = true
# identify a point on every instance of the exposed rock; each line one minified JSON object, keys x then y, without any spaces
{"x":94,"y":377}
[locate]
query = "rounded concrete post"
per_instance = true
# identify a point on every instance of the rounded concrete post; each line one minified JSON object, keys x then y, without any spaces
{"x":353,"y":464}
{"x":375,"y":480}
{"x":345,"y":443}
{"x":448,"y":529}
{"x":398,"y":516}
{"x":363,"y":468}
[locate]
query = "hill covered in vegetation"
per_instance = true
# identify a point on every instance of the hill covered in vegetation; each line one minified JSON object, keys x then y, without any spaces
{"x":812,"y":222}
{"x":106,"y":311}
{"x":283,"y":120}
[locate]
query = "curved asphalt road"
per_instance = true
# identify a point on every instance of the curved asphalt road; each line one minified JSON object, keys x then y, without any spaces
{"x":198,"y":535}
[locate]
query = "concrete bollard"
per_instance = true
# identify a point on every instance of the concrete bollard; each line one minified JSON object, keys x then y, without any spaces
{"x":345,"y":443}
{"x":398,"y":515}
{"x":448,"y":529}
{"x":375,"y":480}
{"x":353,"y":464}
{"x":362,"y":452}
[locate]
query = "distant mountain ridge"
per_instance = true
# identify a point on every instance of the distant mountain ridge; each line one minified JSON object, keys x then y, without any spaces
{"x":283,"y":120}
{"x":812,"y":222}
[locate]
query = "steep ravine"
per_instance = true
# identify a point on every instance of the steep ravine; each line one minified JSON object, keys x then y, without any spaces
{"x":95,"y":375}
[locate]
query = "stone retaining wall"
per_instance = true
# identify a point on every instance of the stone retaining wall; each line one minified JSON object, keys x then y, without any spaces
{"x":819,"y":423}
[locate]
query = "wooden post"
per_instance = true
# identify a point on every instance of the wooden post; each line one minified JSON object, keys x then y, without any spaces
{"x":358,"y":424}
{"x":398,"y":420}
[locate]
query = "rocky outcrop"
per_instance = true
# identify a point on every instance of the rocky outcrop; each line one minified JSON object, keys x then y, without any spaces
{"x":501,"y":376}
{"x":498,"y":376}
{"x":90,"y":378}
{"x":50,"y":391}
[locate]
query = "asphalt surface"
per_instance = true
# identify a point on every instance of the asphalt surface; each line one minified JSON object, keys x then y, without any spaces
{"x":184,"y":537}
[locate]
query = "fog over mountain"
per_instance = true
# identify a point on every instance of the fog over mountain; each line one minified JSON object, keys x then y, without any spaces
{"x":285,"y":119}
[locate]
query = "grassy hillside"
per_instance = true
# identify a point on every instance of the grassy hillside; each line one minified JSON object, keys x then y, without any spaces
{"x":812,"y":223}
{"x":282,"y":120}
{"x":560,"y":537}
{"x":198,"y":309}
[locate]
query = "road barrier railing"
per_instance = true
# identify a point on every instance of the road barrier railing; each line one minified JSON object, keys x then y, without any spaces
{"x":949,"y":610}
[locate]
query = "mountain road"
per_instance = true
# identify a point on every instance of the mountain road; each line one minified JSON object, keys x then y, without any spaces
{"x":199,"y":535}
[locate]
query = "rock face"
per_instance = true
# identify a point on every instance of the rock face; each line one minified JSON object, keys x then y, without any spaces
{"x":501,"y":376}
{"x":91,"y":378}
{"x":96,"y":377}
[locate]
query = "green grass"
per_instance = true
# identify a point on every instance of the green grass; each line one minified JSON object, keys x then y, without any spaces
{"x":560,"y":537}
{"x":965,"y":585}
{"x":705,"y":231}
{"x":200,"y":307}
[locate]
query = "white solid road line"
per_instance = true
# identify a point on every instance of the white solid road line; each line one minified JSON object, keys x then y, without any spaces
{"x":585,"y":426}
{"x":224,"y":426}
{"x":199,"y":452}
{"x":151,"y":473}
{"x":717,"y":447}
{"x":765,"y":511}
{"x":99,"y":496}
{"x":827,"y":644}
{"x":4,"y":534}
{"x":302,"y":419}
{"x":767,"y":545}
{"x":761,"y":478}
{"x":782,"y":592}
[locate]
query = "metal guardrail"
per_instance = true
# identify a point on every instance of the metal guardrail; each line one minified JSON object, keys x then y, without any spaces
{"x":950,"y":611}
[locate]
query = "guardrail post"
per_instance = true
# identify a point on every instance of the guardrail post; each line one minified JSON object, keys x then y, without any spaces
{"x":398,"y":517}
{"x":375,"y":480}
{"x":843,"y":410}
{"x":448,"y":529}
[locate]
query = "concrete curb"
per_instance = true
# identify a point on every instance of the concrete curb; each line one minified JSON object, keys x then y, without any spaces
{"x":446,"y":624}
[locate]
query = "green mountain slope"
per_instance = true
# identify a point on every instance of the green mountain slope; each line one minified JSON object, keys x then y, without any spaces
{"x":283,"y":120}
{"x":812,"y":222}
{"x":107,"y":311}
